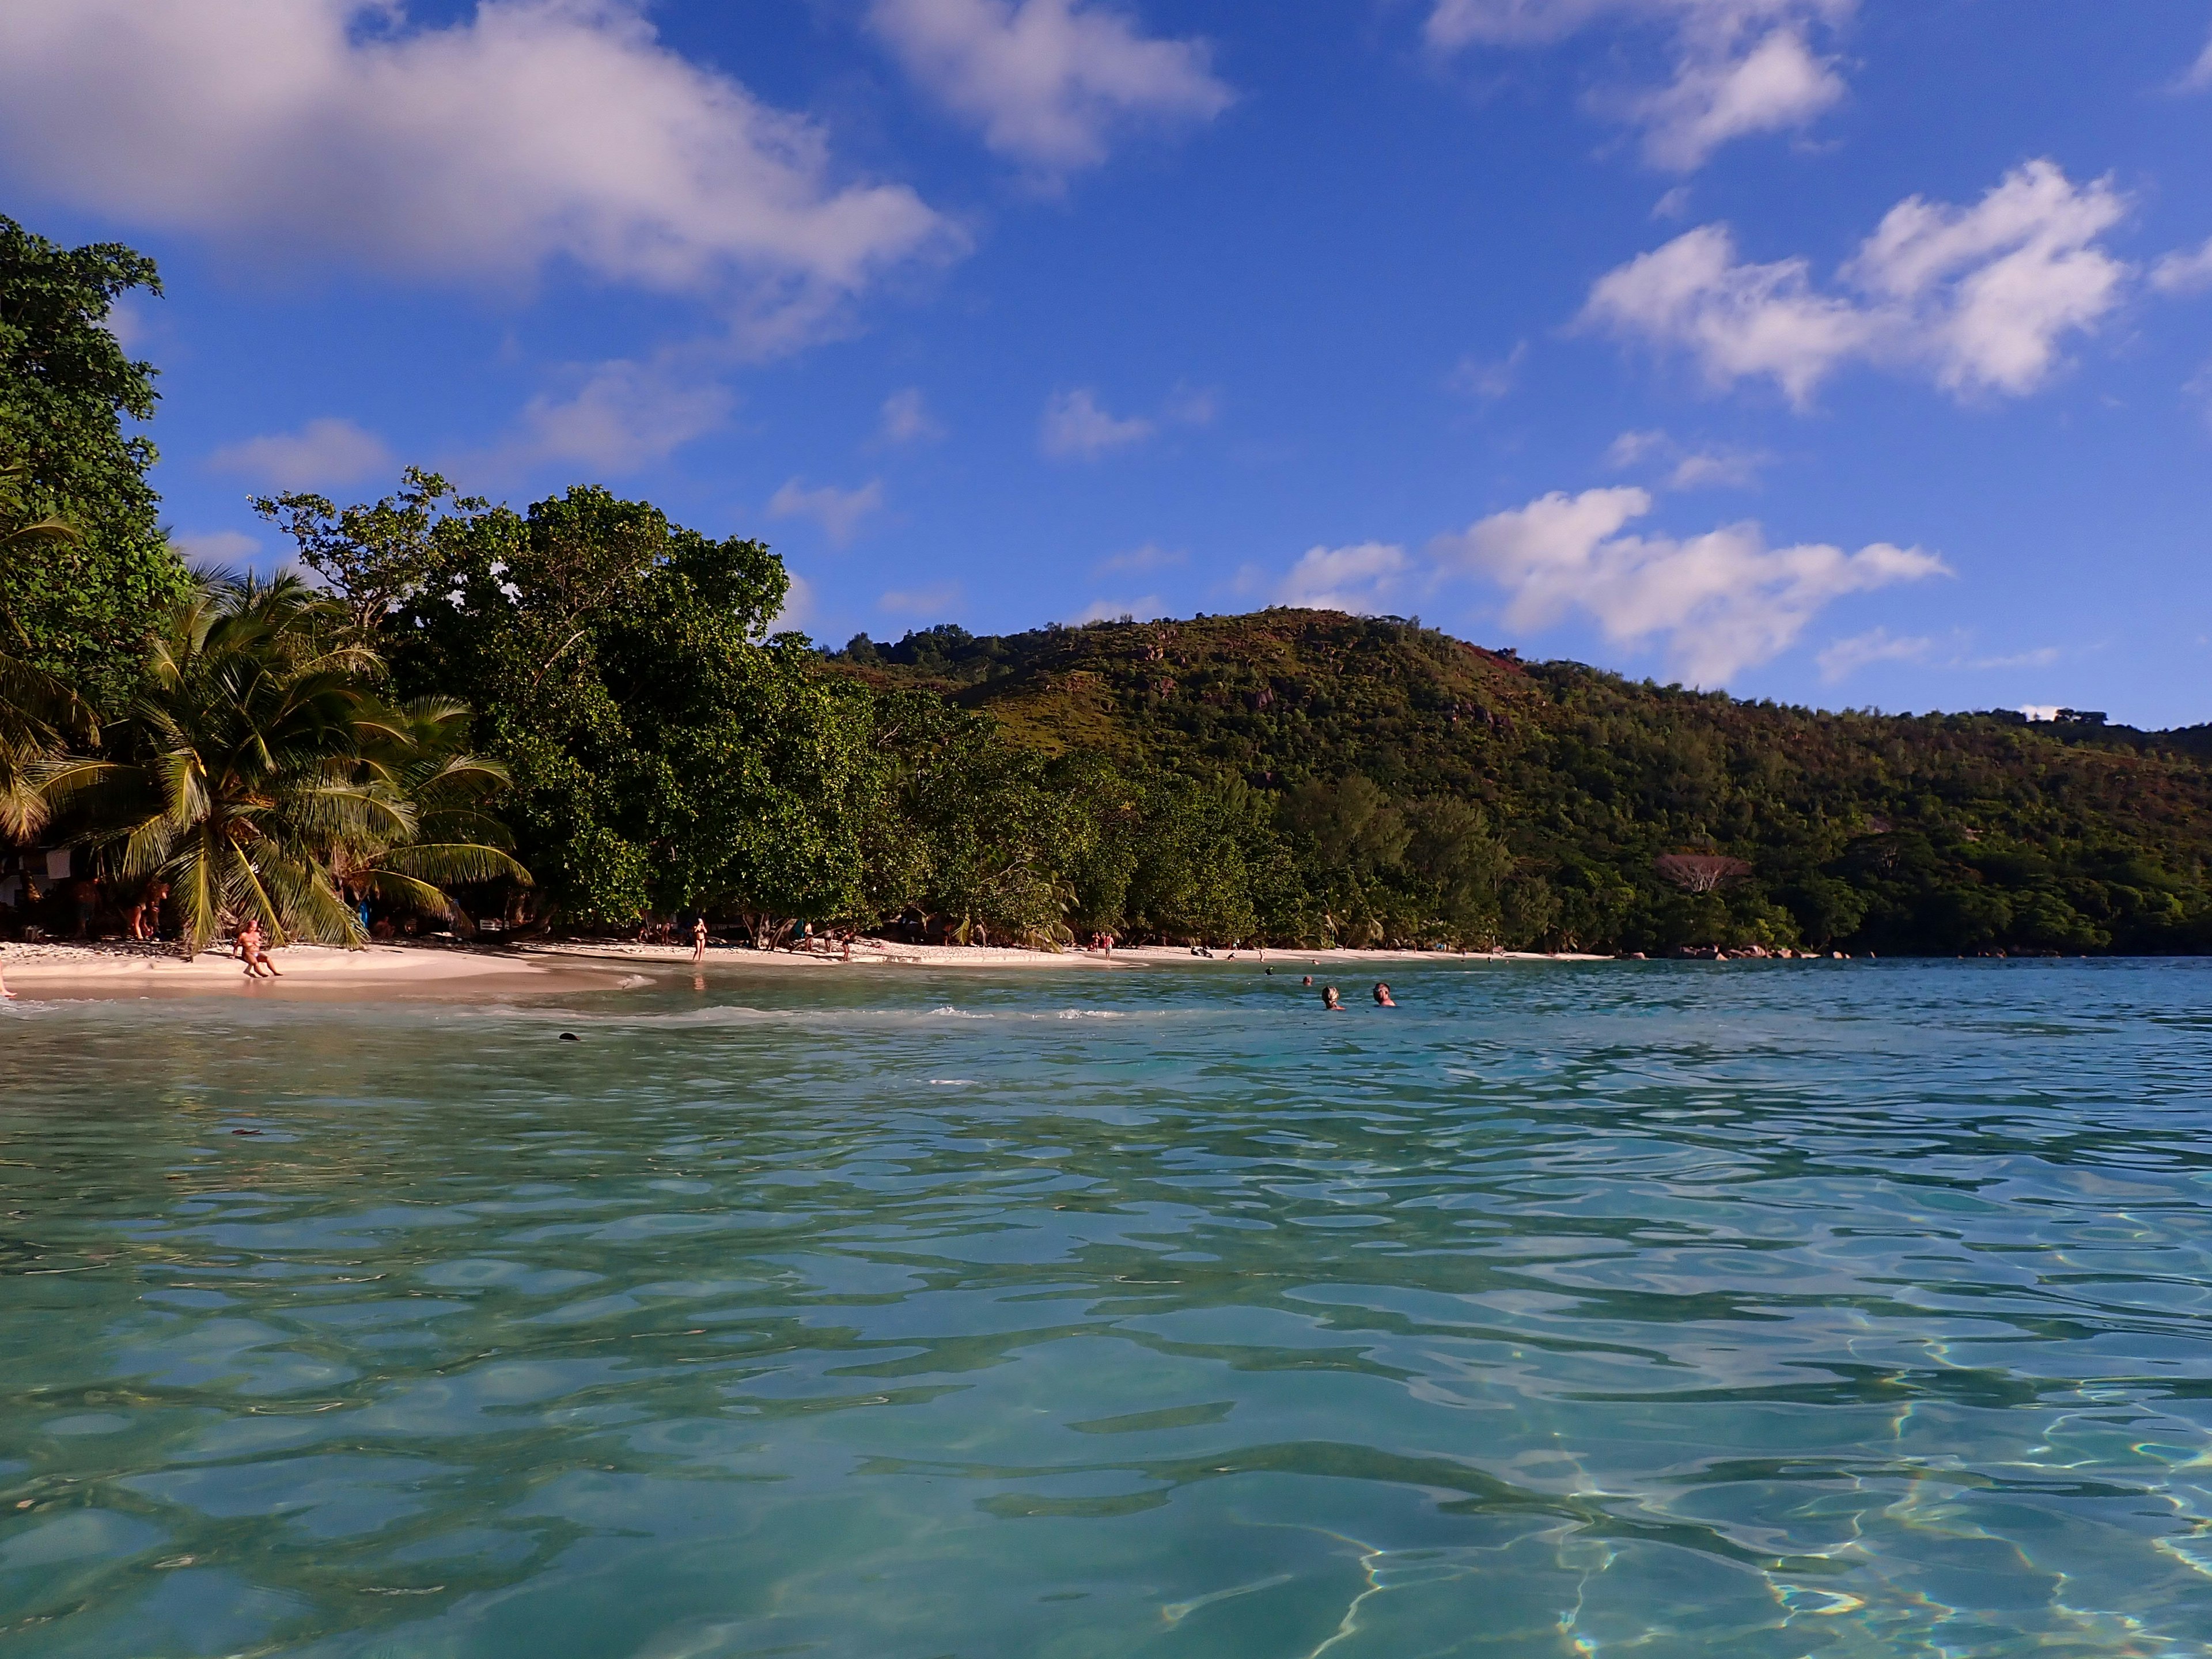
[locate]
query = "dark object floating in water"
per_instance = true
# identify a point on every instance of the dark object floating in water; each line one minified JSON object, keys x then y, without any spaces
{"x":246,"y":1132}
{"x":570,"y":1036}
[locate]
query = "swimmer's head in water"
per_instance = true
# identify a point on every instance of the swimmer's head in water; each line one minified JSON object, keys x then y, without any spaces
{"x":1330,"y":998}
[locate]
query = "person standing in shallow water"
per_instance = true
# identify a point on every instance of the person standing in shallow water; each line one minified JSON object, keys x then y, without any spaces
{"x":1383,"y":999}
{"x":698,"y":939}
{"x":1330,"y":1001}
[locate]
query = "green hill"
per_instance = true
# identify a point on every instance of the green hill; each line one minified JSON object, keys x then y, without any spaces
{"x":1940,"y":833}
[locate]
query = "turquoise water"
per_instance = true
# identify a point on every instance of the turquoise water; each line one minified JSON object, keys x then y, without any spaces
{"x":1653,"y":1309}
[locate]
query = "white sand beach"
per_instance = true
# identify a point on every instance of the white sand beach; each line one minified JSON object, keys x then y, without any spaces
{"x":119,"y":969}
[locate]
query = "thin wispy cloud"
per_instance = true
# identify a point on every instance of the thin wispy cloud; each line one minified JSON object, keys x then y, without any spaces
{"x":1075,"y":427}
{"x":1489,"y":378}
{"x":907,"y":419}
{"x":1150,"y":557}
{"x":839,"y":512}
{"x":1844,"y":657}
{"x":1687,"y":466}
{"x":1740,"y":68}
{"x":613,"y":419}
{"x":323,"y":454}
{"x":1142,"y":610}
{"x":933,"y":601}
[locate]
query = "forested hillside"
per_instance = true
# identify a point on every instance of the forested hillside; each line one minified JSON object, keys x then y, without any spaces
{"x":1937,"y":833}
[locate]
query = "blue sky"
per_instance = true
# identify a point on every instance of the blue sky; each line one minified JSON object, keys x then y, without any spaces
{"x":1851,"y":352}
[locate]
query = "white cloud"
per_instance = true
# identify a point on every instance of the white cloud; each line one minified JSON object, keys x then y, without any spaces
{"x":907,"y":419}
{"x":623,"y":416}
{"x":798,"y":605}
{"x":1777,"y":84}
{"x":1189,"y":405}
{"x":2184,"y":272}
{"x":1846,"y":656}
{"x":920,"y":601}
{"x":1720,"y":603}
{"x":1739,"y":66}
{"x":1717,"y":466}
{"x":2040,"y":711}
{"x":1737,"y":320}
{"x":1717,"y":469}
{"x":2199,"y":74}
{"x":1047,"y":82}
{"x":1991,"y":287}
{"x":1142,"y":610}
{"x":1151,"y":556}
{"x":1074,"y":426}
{"x":839,"y":512}
{"x":1981,"y":295}
{"x":322,"y":454}
{"x":222,"y":547}
{"x":1674,"y":204}
{"x":1360,"y":579}
{"x":529,"y":133}
{"x":1489,"y":380}
{"x":2041,"y":657}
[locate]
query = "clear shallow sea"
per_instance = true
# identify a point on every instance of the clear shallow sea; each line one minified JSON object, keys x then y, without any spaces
{"x":1655,"y":1309}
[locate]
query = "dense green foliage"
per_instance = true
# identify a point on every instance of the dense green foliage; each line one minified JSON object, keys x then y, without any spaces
{"x":255,"y":774}
{"x":1413,"y":787}
{"x":66,"y":390}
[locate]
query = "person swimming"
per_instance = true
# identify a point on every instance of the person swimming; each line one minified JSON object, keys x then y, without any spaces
{"x":1308,"y":980}
{"x":1383,"y":999}
{"x":1330,"y":1000}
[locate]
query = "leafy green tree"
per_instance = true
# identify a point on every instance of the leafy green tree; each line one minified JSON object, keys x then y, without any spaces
{"x":39,"y":713}
{"x":378,"y":555}
{"x":665,"y":753}
{"x":255,"y":774}
{"x":67,"y":389}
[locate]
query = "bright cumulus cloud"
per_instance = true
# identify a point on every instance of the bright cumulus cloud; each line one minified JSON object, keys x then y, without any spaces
{"x":1718,"y":603}
{"x":1740,"y":67}
{"x":1361,"y":579}
{"x":529,"y":131}
{"x":1980,"y":297}
{"x":1049,"y":82}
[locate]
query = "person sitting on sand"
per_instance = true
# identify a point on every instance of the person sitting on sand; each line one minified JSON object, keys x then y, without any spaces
{"x":698,"y":939}
{"x":258,"y":965}
{"x":1383,"y":995}
{"x":1330,"y":1000}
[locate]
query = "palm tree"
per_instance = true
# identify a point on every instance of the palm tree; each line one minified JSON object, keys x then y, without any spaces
{"x":37,"y":713}
{"x":261,"y":774}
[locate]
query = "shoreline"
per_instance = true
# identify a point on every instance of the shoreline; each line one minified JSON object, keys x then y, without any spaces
{"x":77,"y":971}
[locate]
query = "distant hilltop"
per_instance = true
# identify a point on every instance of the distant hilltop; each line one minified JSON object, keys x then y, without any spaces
{"x":1962,"y":833}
